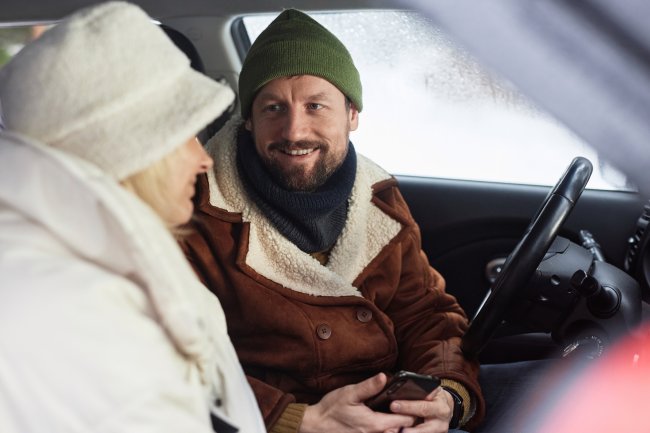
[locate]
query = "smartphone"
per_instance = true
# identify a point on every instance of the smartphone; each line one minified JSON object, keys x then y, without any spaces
{"x":404,"y":385}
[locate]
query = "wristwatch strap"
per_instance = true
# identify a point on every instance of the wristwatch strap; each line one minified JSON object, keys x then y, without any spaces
{"x":458,"y":408}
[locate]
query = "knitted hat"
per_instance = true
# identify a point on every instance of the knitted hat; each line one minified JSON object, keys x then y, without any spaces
{"x":295,"y":44}
{"x":107,"y":85}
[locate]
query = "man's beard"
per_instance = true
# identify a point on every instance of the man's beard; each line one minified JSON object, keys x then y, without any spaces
{"x":297,"y":178}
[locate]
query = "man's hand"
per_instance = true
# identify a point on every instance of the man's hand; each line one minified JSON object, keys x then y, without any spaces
{"x":436,"y":410}
{"x":342,"y":410}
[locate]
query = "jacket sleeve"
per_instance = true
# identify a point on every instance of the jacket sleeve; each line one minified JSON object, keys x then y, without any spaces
{"x":272,"y":401}
{"x":429,"y":322}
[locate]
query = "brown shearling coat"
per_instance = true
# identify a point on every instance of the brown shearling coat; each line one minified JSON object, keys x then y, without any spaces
{"x":302,"y":329}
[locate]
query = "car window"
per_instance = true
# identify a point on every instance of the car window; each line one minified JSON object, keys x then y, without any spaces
{"x":431,"y":110}
{"x":13,"y":37}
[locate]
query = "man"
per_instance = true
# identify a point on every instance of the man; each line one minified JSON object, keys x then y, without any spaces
{"x":315,"y":256}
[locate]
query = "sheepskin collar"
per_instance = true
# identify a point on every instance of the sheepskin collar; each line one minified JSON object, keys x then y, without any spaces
{"x":367,"y":229}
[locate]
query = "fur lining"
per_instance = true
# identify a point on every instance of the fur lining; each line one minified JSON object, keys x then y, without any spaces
{"x":367,"y":229}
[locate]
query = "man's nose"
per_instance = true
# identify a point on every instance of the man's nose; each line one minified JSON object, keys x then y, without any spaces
{"x":295,"y":126}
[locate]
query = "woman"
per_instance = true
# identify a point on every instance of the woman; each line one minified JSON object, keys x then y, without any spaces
{"x":103,"y":325}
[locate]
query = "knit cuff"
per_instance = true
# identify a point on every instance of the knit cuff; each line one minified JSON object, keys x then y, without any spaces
{"x":469,"y":405}
{"x":290,"y":420}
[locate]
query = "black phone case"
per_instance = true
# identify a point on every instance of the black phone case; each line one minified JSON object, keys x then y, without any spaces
{"x":404,"y":385}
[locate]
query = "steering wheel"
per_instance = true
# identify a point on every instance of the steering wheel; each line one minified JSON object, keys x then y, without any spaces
{"x":527,"y":255}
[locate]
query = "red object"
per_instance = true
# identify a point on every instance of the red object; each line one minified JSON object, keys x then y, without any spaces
{"x":611,"y":395}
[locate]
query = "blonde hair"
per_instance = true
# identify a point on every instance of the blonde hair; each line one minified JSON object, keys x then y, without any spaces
{"x":150,"y":186}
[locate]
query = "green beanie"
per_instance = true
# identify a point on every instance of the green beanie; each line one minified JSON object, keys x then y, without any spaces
{"x":295,"y":44}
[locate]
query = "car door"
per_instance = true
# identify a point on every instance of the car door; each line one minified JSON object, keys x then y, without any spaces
{"x":468,"y":225}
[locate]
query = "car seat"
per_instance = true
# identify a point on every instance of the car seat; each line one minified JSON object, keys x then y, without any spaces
{"x":183,"y":43}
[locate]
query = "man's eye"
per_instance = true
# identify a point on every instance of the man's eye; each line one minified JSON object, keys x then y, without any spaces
{"x":273,"y":107}
{"x":314,"y":106}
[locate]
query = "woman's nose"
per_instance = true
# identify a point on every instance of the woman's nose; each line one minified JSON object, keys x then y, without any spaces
{"x":205,"y":161}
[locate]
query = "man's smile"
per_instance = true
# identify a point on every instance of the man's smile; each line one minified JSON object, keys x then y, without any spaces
{"x":297,"y":152}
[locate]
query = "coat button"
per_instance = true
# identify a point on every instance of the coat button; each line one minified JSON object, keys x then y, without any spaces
{"x":364,"y":315}
{"x":323,"y":331}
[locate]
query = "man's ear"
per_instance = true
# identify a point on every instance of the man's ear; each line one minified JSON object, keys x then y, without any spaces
{"x":353,"y":117}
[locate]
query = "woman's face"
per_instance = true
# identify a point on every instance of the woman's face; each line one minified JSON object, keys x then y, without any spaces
{"x":184,"y":166}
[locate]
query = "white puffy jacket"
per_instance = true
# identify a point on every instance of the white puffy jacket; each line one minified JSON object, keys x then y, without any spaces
{"x":103,"y":325}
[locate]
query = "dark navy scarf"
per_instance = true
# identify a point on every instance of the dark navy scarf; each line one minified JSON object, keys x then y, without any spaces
{"x":311,"y":220}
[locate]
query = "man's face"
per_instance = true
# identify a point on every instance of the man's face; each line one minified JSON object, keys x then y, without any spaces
{"x":301,"y":126}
